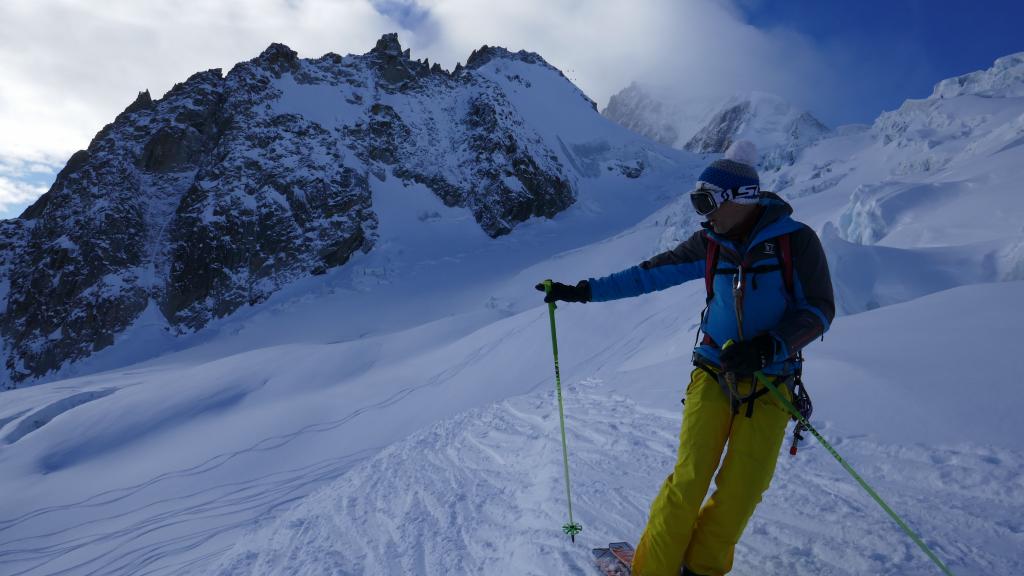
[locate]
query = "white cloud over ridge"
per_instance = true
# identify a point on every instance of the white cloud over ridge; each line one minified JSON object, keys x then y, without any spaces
{"x":20,"y":184}
{"x":695,"y":47}
{"x":69,"y":66}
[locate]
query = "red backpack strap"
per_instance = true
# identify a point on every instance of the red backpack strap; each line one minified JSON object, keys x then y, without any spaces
{"x":786,"y":261}
{"x":710,"y":263}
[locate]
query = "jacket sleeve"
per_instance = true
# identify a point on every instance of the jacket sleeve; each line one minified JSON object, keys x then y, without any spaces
{"x":683,"y":263}
{"x":814,"y":306}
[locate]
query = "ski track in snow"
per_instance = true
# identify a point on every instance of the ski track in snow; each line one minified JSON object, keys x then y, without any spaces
{"x":137,"y":539}
{"x":177,"y":524}
{"x":483,"y":493}
{"x":149,"y":530}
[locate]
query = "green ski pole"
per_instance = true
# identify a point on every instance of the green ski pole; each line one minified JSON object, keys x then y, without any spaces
{"x":572,"y":528}
{"x":863,"y":484}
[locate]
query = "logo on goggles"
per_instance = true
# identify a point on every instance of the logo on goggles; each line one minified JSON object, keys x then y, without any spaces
{"x":752,"y":191}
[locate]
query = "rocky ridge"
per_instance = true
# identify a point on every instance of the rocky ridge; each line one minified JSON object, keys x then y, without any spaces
{"x":232,"y":185}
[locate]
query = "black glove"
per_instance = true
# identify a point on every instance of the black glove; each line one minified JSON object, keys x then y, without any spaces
{"x":566,"y":293}
{"x":749,"y":356}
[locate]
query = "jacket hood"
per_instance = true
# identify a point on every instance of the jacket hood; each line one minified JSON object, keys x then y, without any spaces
{"x":775,"y":206}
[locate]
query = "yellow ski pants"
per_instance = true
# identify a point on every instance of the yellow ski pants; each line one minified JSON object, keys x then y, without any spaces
{"x":680,"y":530}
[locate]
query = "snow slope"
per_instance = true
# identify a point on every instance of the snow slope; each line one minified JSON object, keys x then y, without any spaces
{"x":396,"y":414}
{"x":482,"y":493}
{"x":158,"y":466}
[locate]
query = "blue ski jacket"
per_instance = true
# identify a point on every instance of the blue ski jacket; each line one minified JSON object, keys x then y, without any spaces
{"x":794,"y":319}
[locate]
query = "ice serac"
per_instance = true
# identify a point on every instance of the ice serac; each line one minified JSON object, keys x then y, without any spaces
{"x":954,"y":148}
{"x":232,"y":185}
{"x":1005,"y":79}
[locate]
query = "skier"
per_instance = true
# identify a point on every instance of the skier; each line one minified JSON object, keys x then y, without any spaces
{"x":769,"y":295}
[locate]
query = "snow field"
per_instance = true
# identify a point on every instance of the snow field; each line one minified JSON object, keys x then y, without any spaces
{"x":483,"y":493}
{"x":410,"y":391}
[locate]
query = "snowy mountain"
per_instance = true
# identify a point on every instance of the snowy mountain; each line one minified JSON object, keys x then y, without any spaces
{"x":932,"y":186}
{"x":779,"y":129}
{"x":660,"y":115}
{"x":231,"y":186}
{"x":1005,"y":79}
{"x":709,"y":125}
{"x":395,"y":414}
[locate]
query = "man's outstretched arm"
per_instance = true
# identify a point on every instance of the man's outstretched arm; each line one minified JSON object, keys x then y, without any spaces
{"x":683,"y":263}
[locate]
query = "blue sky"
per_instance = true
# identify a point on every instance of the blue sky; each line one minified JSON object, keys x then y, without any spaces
{"x":71,"y":66}
{"x":897,"y":49}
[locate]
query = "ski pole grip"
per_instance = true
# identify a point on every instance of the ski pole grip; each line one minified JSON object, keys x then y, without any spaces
{"x":730,"y":377}
{"x":547,"y":290}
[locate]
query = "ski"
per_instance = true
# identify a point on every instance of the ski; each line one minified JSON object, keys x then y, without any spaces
{"x":615,"y":560}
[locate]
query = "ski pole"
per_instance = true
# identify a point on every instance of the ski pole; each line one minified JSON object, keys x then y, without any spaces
{"x":572,"y":528}
{"x":863,"y":484}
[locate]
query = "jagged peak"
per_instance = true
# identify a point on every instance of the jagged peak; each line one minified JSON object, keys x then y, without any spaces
{"x":486,"y":53}
{"x":394,"y":64}
{"x":277,"y":51}
{"x":278,"y":59}
{"x":211,"y":77}
{"x":389,"y":45}
{"x":767,"y":119}
{"x":142,"y":102}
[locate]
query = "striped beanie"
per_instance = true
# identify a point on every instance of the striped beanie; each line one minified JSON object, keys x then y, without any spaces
{"x":735,"y":174}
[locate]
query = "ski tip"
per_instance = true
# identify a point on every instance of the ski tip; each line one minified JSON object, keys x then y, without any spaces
{"x":609,"y":563}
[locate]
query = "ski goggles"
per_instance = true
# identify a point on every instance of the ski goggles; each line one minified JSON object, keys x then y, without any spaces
{"x":707,"y":197}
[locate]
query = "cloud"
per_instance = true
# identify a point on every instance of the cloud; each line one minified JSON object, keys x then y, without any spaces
{"x":70,"y":66}
{"x":15,"y":194}
{"x":693,"y":48}
{"x":20,"y":184}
